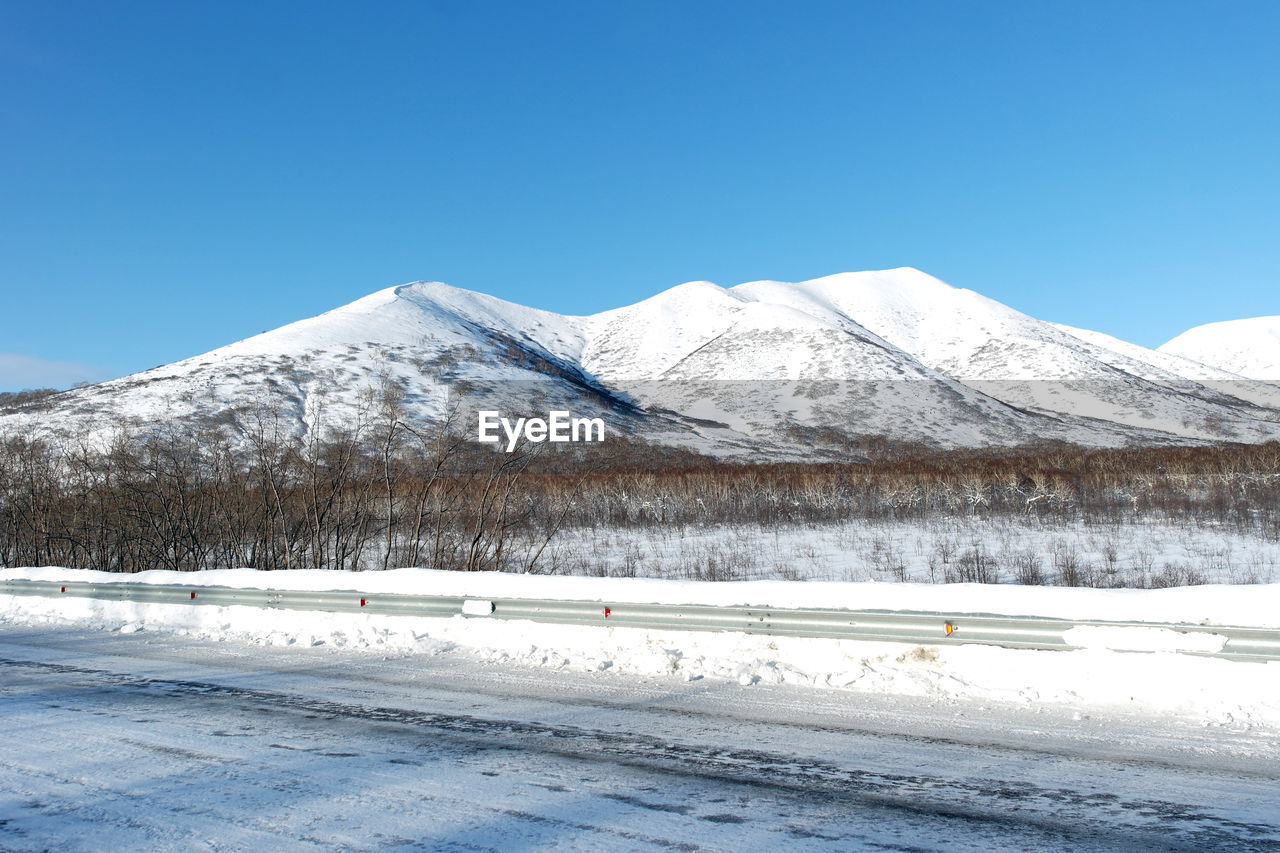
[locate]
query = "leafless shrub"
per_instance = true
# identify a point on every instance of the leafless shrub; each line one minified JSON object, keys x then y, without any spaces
{"x":1066,"y":561}
{"x":1176,"y":574}
{"x":1028,"y":568}
{"x":974,"y":565}
{"x":786,"y":572}
{"x":631,"y":560}
{"x":30,"y":399}
{"x":886,"y":560}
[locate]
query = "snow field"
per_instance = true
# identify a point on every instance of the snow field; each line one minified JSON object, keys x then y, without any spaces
{"x":1248,"y":347}
{"x":1095,"y":680}
{"x":935,"y":550}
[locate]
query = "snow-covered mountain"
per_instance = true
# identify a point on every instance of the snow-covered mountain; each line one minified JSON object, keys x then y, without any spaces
{"x":764,"y":367}
{"x":1246,"y":347}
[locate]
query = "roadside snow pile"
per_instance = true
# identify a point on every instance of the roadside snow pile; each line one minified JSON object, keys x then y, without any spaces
{"x":1128,"y":639}
{"x":1254,"y":605}
{"x":1216,"y":692}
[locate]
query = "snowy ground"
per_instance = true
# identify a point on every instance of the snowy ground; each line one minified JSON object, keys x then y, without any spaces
{"x":158,"y":727}
{"x":1103,"y":675}
{"x":1014,"y":550}
{"x":148,"y":741}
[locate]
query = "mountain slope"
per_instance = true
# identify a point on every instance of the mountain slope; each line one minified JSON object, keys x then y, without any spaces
{"x":1250,"y":348}
{"x":761,"y":368}
{"x":961,"y":337}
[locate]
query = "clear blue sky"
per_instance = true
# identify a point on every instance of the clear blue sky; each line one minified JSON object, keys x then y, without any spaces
{"x":178,"y":175}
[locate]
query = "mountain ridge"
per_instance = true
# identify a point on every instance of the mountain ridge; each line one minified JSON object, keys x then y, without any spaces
{"x":1249,"y":347}
{"x":743,"y":369}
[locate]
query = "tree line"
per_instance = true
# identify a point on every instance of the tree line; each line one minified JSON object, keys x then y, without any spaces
{"x":384,"y":493}
{"x":1236,"y":484}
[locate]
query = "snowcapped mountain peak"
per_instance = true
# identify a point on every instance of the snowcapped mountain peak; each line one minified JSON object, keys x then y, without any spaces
{"x":691,"y":295}
{"x":903,"y":280}
{"x":435,"y":296}
{"x":893,"y":352}
{"x":941,"y":325}
{"x":695,"y":286}
{"x":1249,"y":347}
{"x":648,"y":338}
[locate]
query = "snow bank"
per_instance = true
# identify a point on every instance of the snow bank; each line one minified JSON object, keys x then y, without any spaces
{"x":1253,"y":605}
{"x":1128,"y":639}
{"x":1095,"y":679}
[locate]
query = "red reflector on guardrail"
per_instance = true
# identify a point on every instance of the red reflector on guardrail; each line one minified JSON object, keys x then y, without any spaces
{"x":362,"y":602}
{"x":193,"y":595}
{"x":64,"y":589}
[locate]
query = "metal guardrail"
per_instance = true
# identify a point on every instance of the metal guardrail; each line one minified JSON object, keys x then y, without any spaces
{"x":927,"y":628}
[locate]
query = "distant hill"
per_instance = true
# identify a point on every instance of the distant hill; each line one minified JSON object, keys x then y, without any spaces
{"x":764,"y":368}
{"x":1245,"y":347}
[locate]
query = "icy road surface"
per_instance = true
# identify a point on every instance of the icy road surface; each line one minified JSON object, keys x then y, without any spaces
{"x":156,"y":742}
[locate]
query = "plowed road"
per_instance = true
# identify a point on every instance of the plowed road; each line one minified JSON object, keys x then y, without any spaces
{"x":147,"y":742}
